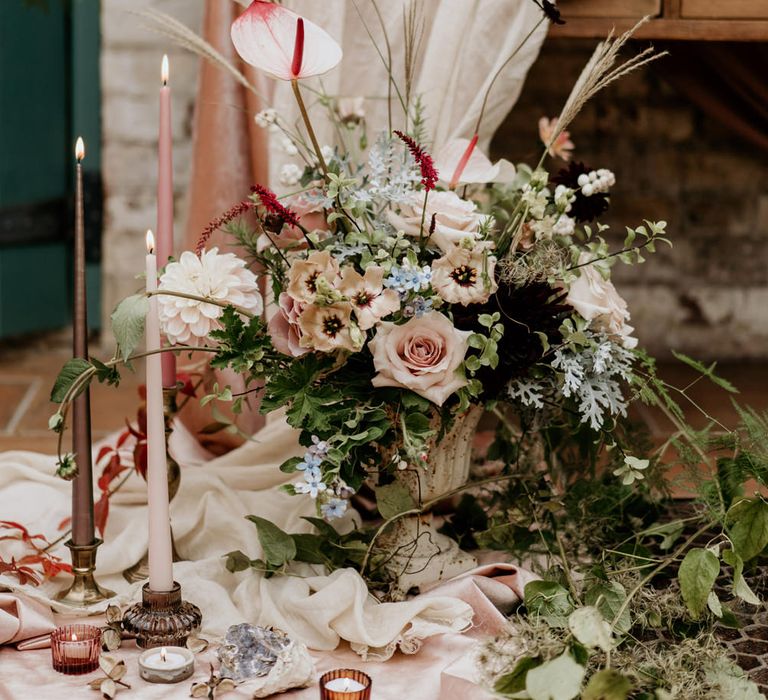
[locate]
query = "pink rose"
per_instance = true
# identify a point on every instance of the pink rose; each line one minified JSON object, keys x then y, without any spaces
{"x":597,"y":301}
{"x":421,"y":355}
{"x":284,"y":329}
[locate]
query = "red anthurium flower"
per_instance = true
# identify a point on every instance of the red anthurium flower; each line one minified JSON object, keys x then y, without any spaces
{"x":464,"y":163}
{"x":283,"y":44}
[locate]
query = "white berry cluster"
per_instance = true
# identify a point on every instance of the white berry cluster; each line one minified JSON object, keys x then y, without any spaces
{"x":596,"y":181}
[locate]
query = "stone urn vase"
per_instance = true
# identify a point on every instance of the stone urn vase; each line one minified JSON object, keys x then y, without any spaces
{"x":418,"y":556}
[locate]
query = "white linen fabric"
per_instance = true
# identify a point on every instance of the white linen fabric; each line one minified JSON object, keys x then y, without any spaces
{"x":463,"y":44}
{"x":208,"y":516}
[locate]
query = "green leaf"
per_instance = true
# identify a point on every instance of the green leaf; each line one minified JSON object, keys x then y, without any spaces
{"x":549,"y":600}
{"x":514,"y":681}
{"x":559,"y":679}
{"x":278,"y":546}
{"x":741,"y":588}
{"x":237,"y":561}
{"x":714,"y":605}
{"x":589,"y":627}
{"x":393,"y":499}
{"x":309,"y":548}
{"x":749,"y":527}
{"x":608,"y":598}
{"x":325,"y":529}
{"x":128,"y":323}
{"x":71,"y":370}
{"x":607,"y":685}
{"x":697,"y":575}
{"x":289,"y":466}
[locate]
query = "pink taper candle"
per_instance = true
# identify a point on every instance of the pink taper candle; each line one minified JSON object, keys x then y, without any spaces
{"x":165,"y":200}
{"x":160,"y":552}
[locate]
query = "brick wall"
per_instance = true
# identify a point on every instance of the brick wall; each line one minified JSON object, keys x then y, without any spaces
{"x":130,"y":80}
{"x":708,"y":296}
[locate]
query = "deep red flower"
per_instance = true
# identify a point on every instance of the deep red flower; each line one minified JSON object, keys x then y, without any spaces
{"x":426,"y":164}
{"x":271,"y":203}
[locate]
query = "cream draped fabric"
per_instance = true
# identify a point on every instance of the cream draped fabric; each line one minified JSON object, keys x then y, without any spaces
{"x":463,"y":44}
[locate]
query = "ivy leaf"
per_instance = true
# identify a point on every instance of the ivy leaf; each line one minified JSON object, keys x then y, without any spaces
{"x":309,"y":548}
{"x":749,"y":527}
{"x":393,"y":499}
{"x":607,"y":685}
{"x":237,"y":561}
{"x":589,"y":627}
{"x":608,"y":598}
{"x":549,"y":600}
{"x":741,"y":588}
{"x":514,"y":681}
{"x":278,"y":546}
{"x":128,"y":323}
{"x":71,"y":370}
{"x":559,"y":679}
{"x":697,"y":575}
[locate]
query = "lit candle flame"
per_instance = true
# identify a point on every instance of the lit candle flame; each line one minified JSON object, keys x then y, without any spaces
{"x":150,"y":241}
{"x":162,"y":655}
{"x":79,"y":148}
{"x":164,"y":69}
{"x":74,"y":637}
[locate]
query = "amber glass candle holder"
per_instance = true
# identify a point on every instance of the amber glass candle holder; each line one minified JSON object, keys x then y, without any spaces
{"x":75,"y":649}
{"x":345,"y":684}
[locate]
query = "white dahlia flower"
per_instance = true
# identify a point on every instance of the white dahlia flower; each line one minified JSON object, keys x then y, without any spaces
{"x":223,"y":277}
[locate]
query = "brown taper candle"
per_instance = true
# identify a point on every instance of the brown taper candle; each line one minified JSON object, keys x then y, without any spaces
{"x":82,"y":485}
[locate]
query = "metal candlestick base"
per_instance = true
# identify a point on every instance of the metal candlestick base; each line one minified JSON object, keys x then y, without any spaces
{"x":140,"y":570}
{"x":162,"y":618}
{"x":84,"y":590}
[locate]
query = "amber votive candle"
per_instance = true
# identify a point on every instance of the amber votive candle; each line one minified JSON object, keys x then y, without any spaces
{"x":75,"y":649}
{"x":345,"y":684}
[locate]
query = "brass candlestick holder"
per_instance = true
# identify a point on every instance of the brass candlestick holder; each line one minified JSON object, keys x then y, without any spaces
{"x":140,"y":570}
{"x":162,"y":619}
{"x":84,"y":590}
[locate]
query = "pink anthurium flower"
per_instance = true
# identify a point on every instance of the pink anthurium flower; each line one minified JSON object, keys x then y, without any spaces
{"x":464,"y":163}
{"x":283,"y":44}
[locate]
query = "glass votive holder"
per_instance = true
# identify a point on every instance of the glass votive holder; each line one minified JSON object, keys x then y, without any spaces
{"x":75,"y":649}
{"x":345,"y":684}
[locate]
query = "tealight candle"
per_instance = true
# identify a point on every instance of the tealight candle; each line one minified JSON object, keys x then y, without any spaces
{"x":166,"y":665}
{"x":345,"y":684}
{"x":75,"y":649}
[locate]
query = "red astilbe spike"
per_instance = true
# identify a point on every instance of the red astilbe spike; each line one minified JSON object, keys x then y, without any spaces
{"x":298,"y":48}
{"x":426,"y":164}
{"x":232,"y":213}
{"x":270,"y":202}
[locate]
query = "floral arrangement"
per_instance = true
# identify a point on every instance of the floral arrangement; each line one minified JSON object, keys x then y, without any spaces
{"x":407,"y":288}
{"x":404,"y":289}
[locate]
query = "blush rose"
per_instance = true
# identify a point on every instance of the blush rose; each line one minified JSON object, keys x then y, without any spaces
{"x":421,"y":355}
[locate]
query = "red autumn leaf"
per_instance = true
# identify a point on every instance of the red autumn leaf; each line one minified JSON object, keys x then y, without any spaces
{"x":141,"y":417}
{"x":187,"y":388}
{"x":103,"y":452}
{"x":133,"y":431}
{"x":140,"y":458}
{"x":64,"y":524}
{"x":123,"y":437}
{"x":111,"y":472}
{"x":23,"y":573}
{"x":23,"y":535}
{"x":52,"y":565}
{"x":143,"y":392}
{"x":101,"y":513}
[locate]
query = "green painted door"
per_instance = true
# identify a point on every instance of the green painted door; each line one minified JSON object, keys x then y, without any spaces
{"x":49,"y":94}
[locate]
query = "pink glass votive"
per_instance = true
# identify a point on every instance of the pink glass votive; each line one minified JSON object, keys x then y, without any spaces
{"x":75,"y":649}
{"x":345,"y":684}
